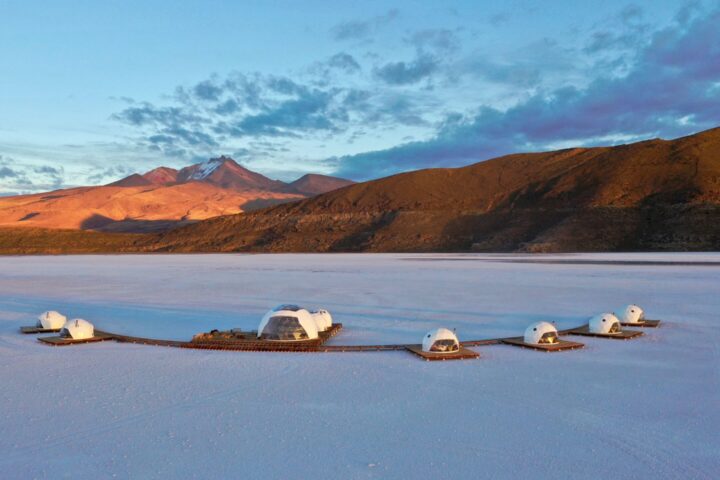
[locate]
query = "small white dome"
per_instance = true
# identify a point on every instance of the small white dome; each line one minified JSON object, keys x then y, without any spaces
{"x":605,"y":323}
{"x":288,"y":323}
{"x":441,"y":340}
{"x":631,"y":314}
{"x":78,"y":329}
{"x":51,"y":320}
{"x":323,"y":319}
{"x":541,"y":332}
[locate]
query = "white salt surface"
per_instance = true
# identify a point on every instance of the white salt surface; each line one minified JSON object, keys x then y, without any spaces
{"x":645,"y":408}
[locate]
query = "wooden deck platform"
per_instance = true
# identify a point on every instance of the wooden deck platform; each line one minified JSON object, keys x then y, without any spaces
{"x":645,"y":324}
{"x":547,"y":347}
{"x":58,"y":341}
{"x":29,"y":330}
{"x":624,"y":335}
{"x":462,"y":354}
{"x":249,"y":342}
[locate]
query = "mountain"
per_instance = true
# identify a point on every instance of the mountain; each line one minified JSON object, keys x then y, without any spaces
{"x":224,"y":172}
{"x":158,"y":200}
{"x":313,"y":184}
{"x":650,"y":195}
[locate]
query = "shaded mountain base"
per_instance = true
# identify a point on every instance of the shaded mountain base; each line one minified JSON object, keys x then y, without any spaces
{"x":102,"y":223}
{"x":16,"y":241}
{"x":657,"y":228}
{"x":664,"y":227}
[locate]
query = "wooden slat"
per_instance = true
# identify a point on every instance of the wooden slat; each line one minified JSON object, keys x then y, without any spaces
{"x":29,"y":330}
{"x":58,"y":341}
{"x":547,"y":347}
{"x":462,"y":354}
{"x":624,"y":335}
{"x":645,"y":324}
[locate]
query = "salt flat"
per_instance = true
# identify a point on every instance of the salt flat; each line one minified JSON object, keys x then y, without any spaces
{"x":646,"y":408}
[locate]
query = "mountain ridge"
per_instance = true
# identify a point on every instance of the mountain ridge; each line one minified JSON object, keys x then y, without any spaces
{"x":655,"y":194}
{"x":157,"y":200}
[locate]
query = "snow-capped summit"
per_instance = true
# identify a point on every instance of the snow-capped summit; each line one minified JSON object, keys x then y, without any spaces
{"x":204,"y":169}
{"x":227,"y":173}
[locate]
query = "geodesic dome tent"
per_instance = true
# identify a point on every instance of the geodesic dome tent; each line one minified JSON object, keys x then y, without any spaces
{"x":541,"y":333}
{"x":323,"y":319}
{"x":51,"y":320}
{"x":288,"y":323}
{"x":631,"y":314}
{"x":605,"y":323}
{"x":78,"y":329}
{"x":440,"y":340}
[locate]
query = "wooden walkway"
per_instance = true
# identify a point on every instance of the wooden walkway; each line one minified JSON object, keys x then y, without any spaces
{"x":318,"y":345}
{"x":29,"y":330}
{"x":58,"y":341}
{"x":623,"y":335}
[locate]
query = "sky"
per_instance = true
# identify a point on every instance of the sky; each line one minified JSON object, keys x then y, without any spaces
{"x":91,"y":92}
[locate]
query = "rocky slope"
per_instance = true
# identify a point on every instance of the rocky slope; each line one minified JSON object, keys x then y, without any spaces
{"x":651,"y":195}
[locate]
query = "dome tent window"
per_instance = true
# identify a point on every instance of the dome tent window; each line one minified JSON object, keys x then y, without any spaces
{"x":445,"y":346}
{"x":441,"y":340}
{"x":287,"y":323}
{"x":289,"y":307}
{"x":283,"y":328}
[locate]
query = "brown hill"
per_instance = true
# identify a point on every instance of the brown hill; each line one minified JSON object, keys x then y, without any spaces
{"x":161,"y":176}
{"x":313,"y":184}
{"x":650,"y":195}
{"x":127,"y":208}
{"x":160,"y":199}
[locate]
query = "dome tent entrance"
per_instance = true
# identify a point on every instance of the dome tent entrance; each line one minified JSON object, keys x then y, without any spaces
{"x":441,"y":340}
{"x":542,"y":336}
{"x":541,"y":333}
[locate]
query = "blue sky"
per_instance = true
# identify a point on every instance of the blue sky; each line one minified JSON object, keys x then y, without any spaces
{"x":92,"y":91}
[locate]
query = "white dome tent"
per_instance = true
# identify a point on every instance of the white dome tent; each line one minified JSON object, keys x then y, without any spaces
{"x":51,"y":320}
{"x":287,"y":323}
{"x":541,"y":333}
{"x":323,"y":319}
{"x":542,"y":336}
{"x":440,"y":340}
{"x":632,"y":314}
{"x":607,"y":323}
{"x":441,"y":344}
{"x":78,"y":329}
